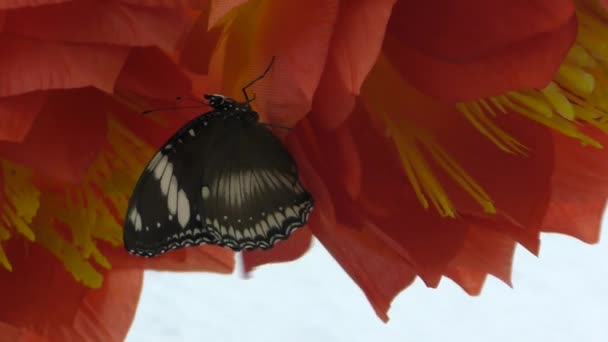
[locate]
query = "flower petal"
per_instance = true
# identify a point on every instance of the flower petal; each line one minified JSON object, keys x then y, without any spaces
{"x":166,"y":81}
{"x":19,"y":334}
{"x":348,"y":62}
{"x":107,"y":22}
{"x":219,"y":8}
{"x":29,"y":65}
{"x":484,"y":251}
{"x":13,"y":4}
{"x":200,"y":43}
{"x":470,"y":52}
{"x":579,"y":188}
{"x":66,"y":310}
{"x":65,"y":137}
{"x":17,"y":114}
{"x":291,"y":249}
{"x":389,"y":208}
{"x":298,"y":34}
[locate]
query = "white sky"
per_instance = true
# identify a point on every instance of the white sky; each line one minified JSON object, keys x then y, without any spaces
{"x":563,"y":296}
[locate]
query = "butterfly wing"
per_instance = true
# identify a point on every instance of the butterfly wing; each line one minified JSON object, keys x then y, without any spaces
{"x":162,"y":212}
{"x":255,"y":198}
{"x":219,"y":181}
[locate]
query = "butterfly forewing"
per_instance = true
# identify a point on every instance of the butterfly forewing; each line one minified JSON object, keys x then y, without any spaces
{"x":162,"y":212}
{"x":219,"y":180}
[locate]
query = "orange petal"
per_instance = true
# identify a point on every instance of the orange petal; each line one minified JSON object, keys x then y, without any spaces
{"x":18,"y":334}
{"x":13,"y":4}
{"x":65,"y":310}
{"x":203,"y":258}
{"x":427,"y":240}
{"x":64,"y":65}
{"x":348,"y":63}
{"x":65,"y":137}
{"x":107,"y":22}
{"x":291,"y":249}
{"x":200,"y":43}
{"x":151,"y":73}
{"x":503,"y":176}
{"x":379,"y":271}
{"x":298,"y":34}
{"x":579,"y":188}
{"x":220,"y":8}
{"x":484,"y":252}
{"x":518,"y":185}
{"x":17,"y":114}
{"x":464,"y":50}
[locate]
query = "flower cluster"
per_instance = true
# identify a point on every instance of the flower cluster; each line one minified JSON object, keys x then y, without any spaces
{"x":434,"y":135}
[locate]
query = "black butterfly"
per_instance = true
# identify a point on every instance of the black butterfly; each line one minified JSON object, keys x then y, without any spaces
{"x":223,"y":179}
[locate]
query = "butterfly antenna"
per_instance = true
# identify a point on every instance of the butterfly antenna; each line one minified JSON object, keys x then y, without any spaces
{"x":255,"y":80}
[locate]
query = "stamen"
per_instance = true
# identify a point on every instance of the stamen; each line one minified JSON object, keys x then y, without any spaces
{"x":417,"y":147}
{"x":88,"y":212}
{"x":411,"y":142}
{"x":579,"y":91}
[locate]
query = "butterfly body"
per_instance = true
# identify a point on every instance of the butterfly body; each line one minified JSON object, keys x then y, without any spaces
{"x":222,"y":179}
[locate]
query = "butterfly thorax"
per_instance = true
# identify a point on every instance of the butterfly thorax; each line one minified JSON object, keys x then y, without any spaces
{"x":228,"y":108}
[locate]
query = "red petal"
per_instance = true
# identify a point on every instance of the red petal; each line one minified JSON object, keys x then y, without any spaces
{"x":12,"y":4}
{"x":107,"y":22}
{"x":17,"y":334}
{"x":66,"y":310}
{"x":65,"y":137}
{"x":206,"y":258}
{"x":425,"y":239}
{"x":29,"y":65}
{"x":459,"y":50}
{"x":579,"y":188}
{"x":484,"y":252}
{"x":200,"y":43}
{"x":348,"y":63}
{"x":17,"y":114}
{"x":379,"y":271}
{"x":298,"y":33}
{"x":291,"y":249}
{"x":166,"y":81}
{"x":220,"y":8}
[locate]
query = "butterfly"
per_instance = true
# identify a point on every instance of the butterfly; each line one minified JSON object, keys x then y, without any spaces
{"x":224,"y":178}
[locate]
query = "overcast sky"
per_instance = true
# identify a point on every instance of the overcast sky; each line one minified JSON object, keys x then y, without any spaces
{"x":563,"y":296}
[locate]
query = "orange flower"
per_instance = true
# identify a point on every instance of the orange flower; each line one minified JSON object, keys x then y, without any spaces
{"x":434,"y":135}
{"x":74,"y":78}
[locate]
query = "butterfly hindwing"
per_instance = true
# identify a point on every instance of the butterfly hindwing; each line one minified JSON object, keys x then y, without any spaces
{"x":255,"y":199}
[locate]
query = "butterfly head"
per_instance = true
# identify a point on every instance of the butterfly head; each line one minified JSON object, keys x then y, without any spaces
{"x":222,"y":103}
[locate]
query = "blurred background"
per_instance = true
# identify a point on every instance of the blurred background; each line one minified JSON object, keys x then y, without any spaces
{"x":561,"y":296}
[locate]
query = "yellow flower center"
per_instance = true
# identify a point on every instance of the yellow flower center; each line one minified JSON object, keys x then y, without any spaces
{"x":88,"y":213}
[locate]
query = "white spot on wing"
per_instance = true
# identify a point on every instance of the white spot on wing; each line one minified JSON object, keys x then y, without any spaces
{"x":138,"y":222}
{"x":166,"y":179}
{"x":160,"y":167}
{"x":154,"y":160}
{"x":172,"y":198}
{"x":183,"y":208}
{"x":205,"y":192}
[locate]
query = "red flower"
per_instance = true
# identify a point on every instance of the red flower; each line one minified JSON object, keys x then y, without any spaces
{"x":434,"y":135}
{"x":74,"y":78}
